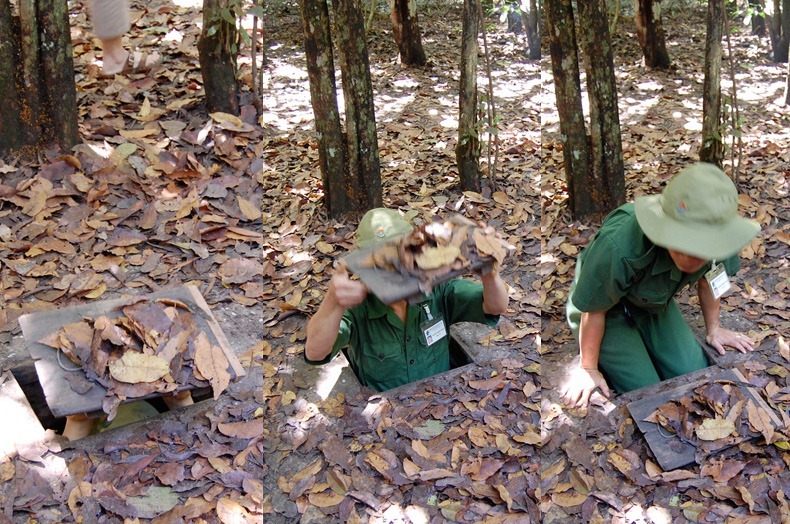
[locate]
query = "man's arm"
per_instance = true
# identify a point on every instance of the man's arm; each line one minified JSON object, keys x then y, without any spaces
{"x":583,"y":380}
{"x":323,"y":327}
{"x":717,"y":336}
{"x":495,"y":295}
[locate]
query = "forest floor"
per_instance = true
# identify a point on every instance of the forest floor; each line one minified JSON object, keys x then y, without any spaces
{"x":595,"y":464}
{"x":381,"y":459}
{"x":467,"y":449}
{"x":158,"y":195}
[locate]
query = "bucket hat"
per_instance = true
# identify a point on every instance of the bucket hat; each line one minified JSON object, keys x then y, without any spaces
{"x":379,"y":225}
{"x":696,"y":214}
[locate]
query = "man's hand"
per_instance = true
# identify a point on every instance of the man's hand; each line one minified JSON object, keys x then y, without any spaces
{"x":345,"y":292}
{"x":720,"y":337}
{"x":581,"y":383}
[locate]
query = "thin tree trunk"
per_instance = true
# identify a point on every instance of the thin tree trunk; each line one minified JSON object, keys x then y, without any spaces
{"x":406,"y":30}
{"x":758,"y":19}
{"x":218,"y":59}
{"x":37,"y":77}
{"x":650,"y":33}
{"x":778,"y":23}
{"x":787,"y":86}
{"x":57,"y":76}
{"x":530,"y":20}
{"x":712,"y":150}
{"x":467,"y":152}
{"x":567,"y":89}
{"x":361,"y":142}
{"x":608,"y":177}
{"x":781,"y":54}
{"x":9,"y":119}
{"x":323,"y":93}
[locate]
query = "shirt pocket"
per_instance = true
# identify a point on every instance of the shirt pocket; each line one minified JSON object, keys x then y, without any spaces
{"x":652,"y":293}
{"x":383,"y":364}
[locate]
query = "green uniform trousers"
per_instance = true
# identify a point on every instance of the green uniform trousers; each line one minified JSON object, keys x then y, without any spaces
{"x":640,"y":348}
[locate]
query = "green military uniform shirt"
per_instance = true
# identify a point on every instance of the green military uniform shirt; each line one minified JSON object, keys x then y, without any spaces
{"x":385,"y":353}
{"x":623,"y":273}
{"x":622,"y":263}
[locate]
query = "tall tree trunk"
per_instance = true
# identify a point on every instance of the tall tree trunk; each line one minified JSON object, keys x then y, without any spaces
{"x":650,"y":33}
{"x":778,"y":22}
{"x":758,"y":17}
{"x":323,"y":94}
{"x":406,"y":30}
{"x":57,"y":74}
{"x":530,"y":19}
{"x":217,"y":49}
{"x":787,"y":85}
{"x":608,"y":176}
{"x":712,"y":150}
{"x":361,"y":142}
{"x":37,"y":77}
{"x":10,"y":125}
{"x":467,"y":152}
{"x":567,"y":89}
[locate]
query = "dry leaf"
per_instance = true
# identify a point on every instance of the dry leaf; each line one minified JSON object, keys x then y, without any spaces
{"x":250,"y":210}
{"x":436,"y":257}
{"x":212,"y":363}
{"x":231,"y":512}
{"x":133,"y":368}
{"x":715,"y":429}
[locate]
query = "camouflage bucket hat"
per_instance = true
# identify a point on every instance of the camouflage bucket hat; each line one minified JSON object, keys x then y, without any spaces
{"x":380,"y":225}
{"x":696,"y":214}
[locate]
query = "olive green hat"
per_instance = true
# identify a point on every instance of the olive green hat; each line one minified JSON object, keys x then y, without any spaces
{"x":696,"y":214}
{"x":379,"y":225}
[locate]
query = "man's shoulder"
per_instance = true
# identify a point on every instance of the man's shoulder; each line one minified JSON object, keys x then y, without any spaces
{"x":621,"y":228}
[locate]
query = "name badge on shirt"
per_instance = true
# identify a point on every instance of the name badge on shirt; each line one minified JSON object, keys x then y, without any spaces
{"x":718,"y":280}
{"x":432,"y":330}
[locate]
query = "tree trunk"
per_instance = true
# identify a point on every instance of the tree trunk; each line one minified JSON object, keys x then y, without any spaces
{"x":11,"y":136}
{"x":467,"y":152}
{"x":37,"y":77}
{"x":608,"y":177}
{"x":787,"y":86}
{"x":567,"y":89}
{"x":530,"y":19}
{"x":650,"y":33}
{"x":758,"y":17}
{"x":778,"y":22}
{"x":364,"y":185}
{"x":406,"y":30}
{"x":217,"y":49}
{"x":712,"y":150}
{"x":323,"y":94}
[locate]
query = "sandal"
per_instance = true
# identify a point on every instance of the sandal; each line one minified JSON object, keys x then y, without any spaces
{"x":137,"y":63}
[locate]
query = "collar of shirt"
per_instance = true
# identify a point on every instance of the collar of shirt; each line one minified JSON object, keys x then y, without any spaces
{"x":664,"y":264}
{"x":378,"y":309}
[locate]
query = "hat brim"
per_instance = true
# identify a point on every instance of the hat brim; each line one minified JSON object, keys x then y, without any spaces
{"x":703,"y":241}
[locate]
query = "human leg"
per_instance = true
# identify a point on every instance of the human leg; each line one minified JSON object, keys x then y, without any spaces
{"x":111,"y":21}
{"x":78,"y":426}
{"x":624,"y":359}
{"x":178,"y":400}
{"x":671,"y":343}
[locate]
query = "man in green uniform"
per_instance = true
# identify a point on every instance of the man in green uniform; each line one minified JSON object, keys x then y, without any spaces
{"x":391,"y":345}
{"x":621,"y":308}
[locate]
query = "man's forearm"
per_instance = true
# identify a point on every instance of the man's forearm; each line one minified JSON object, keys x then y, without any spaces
{"x":322,"y":330}
{"x":591,"y":330}
{"x":709,"y":305}
{"x":495,"y":295}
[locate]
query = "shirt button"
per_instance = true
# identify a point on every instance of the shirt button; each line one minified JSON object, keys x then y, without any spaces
{"x":411,"y":362}
{"x":408,"y":338}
